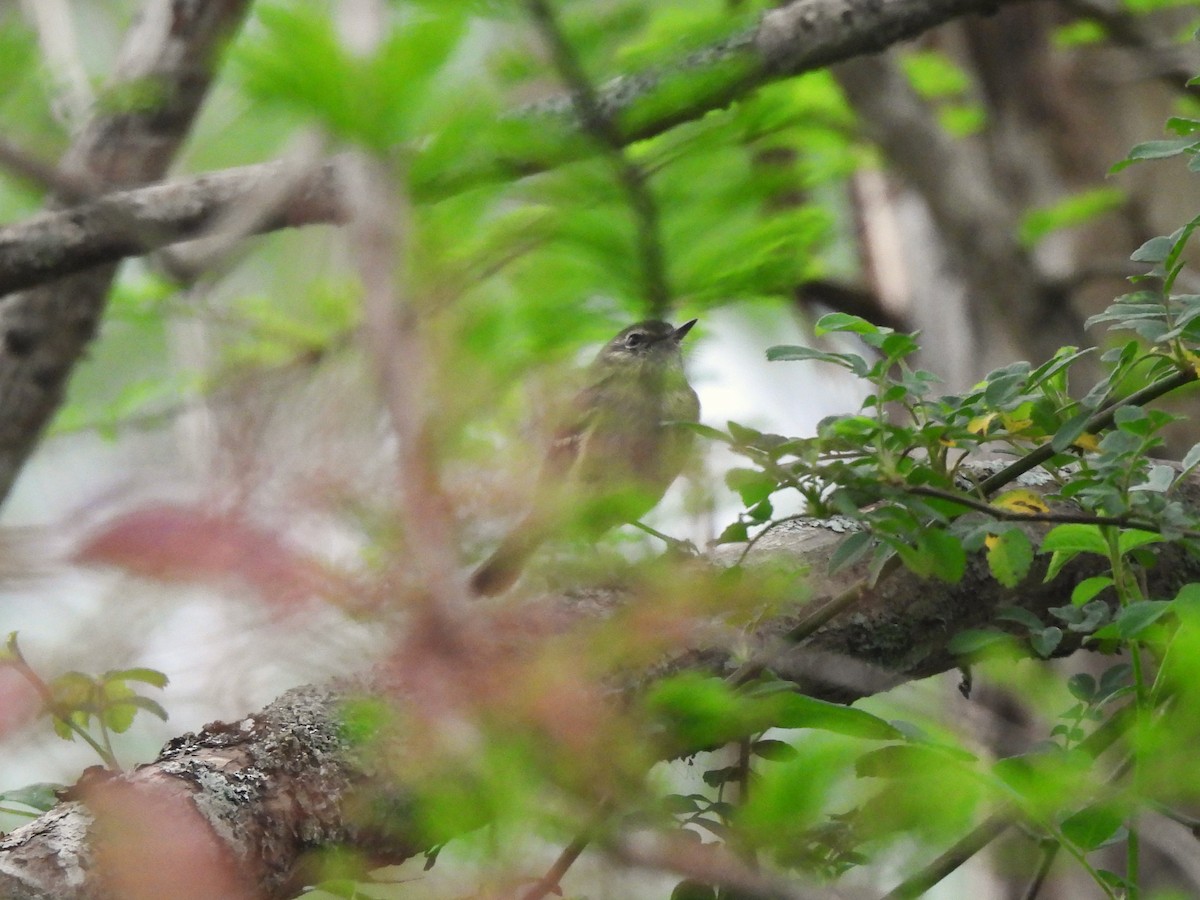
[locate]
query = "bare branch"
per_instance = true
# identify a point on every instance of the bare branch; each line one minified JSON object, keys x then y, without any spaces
{"x":26,"y":166}
{"x":789,"y":41}
{"x":43,"y":332}
{"x":58,"y":243}
{"x":284,"y":781}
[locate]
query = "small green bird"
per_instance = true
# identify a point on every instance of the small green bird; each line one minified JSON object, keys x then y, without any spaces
{"x":616,"y":457}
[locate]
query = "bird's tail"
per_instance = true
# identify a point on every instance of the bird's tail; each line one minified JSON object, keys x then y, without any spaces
{"x":500,"y":571}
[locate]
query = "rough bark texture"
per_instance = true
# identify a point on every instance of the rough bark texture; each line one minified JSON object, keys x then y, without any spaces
{"x":264,"y":791}
{"x":130,"y":223}
{"x":266,"y":788}
{"x":44,"y":331}
{"x":286,"y":781}
{"x":789,"y":41}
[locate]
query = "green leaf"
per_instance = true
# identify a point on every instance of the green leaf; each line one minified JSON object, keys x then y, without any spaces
{"x":910,"y":760}
{"x":743,"y":435}
{"x":1093,"y":825}
{"x":1075,"y":538}
{"x":844,"y":322}
{"x":1188,"y":597}
{"x":760,"y":512}
{"x":1133,"y":538}
{"x":947,"y":555}
{"x":1089,"y":588}
{"x":1154,"y":250}
{"x":706,"y":431}
{"x":693,"y":890}
{"x":1158,"y":481}
{"x":897,"y":346}
{"x":785,"y":353}
{"x":681,"y":804}
{"x":1068,"y":212}
{"x":700,"y":711}
{"x":1082,"y":619}
{"x":1154,"y":150}
{"x":1046,"y":779}
{"x":41,"y":795}
{"x":1010,"y":557}
{"x":11,"y":651}
{"x":775,"y":751}
{"x":734,"y":533}
{"x":1046,"y":641}
{"x":850,"y":550}
{"x":1113,"y":880}
{"x":1080,"y":33}
{"x":934,"y":75}
{"x":1070,"y":431}
{"x":724,"y":775}
{"x":342,"y":888}
{"x":73,"y":690}
{"x":1192,"y":459}
{"x":1082,"y":687}
{"x":799,"y":711}
{"x":297,"y":62}
{"x":1003,"y":390}
{"x":752,"y":485}
{"x":1021,"y":616}
{"x":118,"y":709}
{"x":147,"y":705}
{"x":146,"y":676}
{"x":1133,"y":620}
{"x":973,"y":641}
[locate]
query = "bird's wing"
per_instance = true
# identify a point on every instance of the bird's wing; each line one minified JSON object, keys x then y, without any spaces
{"x":570,"y":438}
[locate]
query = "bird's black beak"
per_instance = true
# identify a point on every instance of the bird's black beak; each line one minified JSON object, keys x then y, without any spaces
{"x":679,"y":333}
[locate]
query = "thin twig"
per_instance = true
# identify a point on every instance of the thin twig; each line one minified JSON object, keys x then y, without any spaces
{"x":596,"y":123}
{"x":16,"y":659}
{"x":1100,"y":420}
{"x":549,"y":883}
{"x":999,"y":821}
{"x":1010,"y":515}
{"x":815,"y":618}
{"x":962,"y":850}
{"x":1049,"y":854}
{"x":711,"y":864}
{"x":771,"y":526}
{"x":66,"y":187}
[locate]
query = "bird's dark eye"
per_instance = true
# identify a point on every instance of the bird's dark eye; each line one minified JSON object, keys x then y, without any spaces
{"x":635,"y":339}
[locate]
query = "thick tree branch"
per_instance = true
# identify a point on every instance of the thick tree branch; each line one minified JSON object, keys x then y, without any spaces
{"x":129,"y":223}
{"x":270,"y":786}
{"x":43,"y":332}
{"x":798,"y":38}
{"x":286,"y":781}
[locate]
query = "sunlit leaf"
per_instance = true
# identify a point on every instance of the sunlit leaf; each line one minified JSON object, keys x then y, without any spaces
{"x":1010,"y":557}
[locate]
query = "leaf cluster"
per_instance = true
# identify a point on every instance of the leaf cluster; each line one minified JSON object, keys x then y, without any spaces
{"x":91,"y":707}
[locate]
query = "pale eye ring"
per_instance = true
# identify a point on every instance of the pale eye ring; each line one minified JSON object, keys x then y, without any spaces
{"x":636,"y":339}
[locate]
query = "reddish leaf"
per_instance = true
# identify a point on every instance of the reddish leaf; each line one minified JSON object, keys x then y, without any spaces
{"x":184,"y":544}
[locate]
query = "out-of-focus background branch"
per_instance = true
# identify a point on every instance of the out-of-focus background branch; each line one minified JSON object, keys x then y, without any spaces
{"x":257,"y":455}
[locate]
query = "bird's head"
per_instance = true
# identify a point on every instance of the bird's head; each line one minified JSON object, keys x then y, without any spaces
{"x":644,"y":342}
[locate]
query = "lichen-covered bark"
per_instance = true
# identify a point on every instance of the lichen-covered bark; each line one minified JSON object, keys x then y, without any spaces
{"x":253,"y":796}
{"x":279,"y":784}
